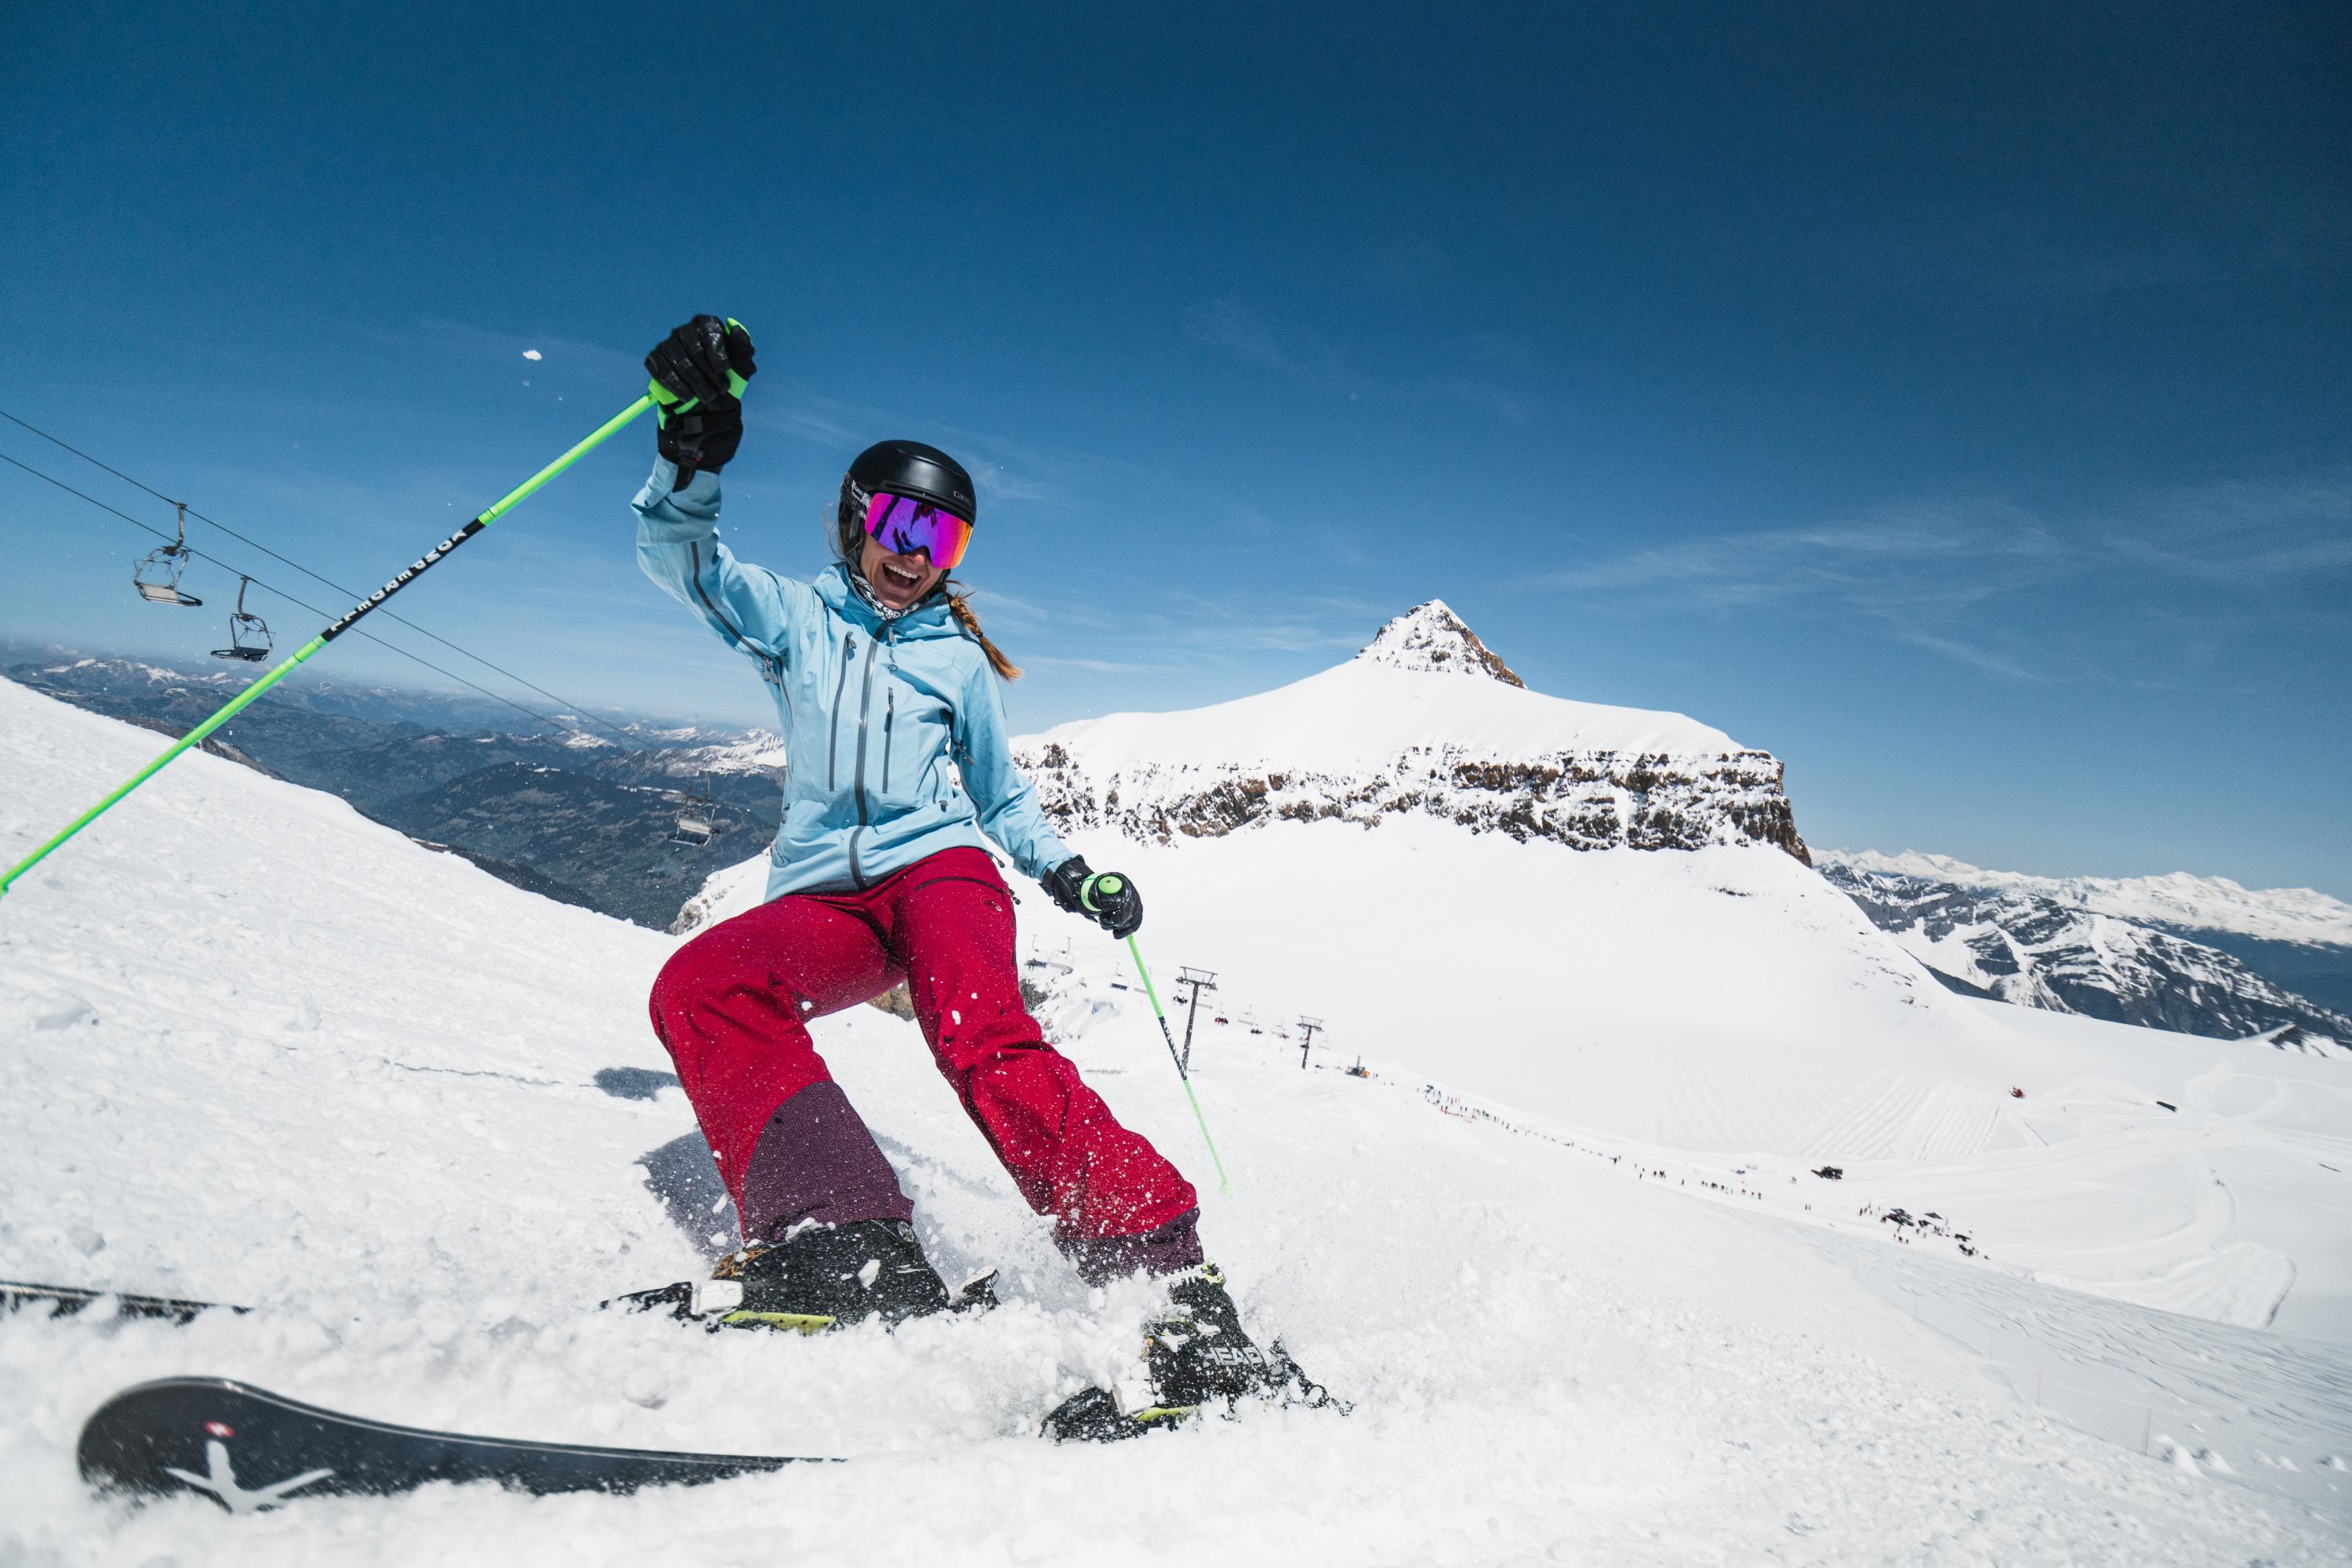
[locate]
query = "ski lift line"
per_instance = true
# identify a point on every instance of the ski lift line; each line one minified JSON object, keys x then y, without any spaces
{"x":1224,"y":1183}
{"x":338,"y":587}
{"x":299,"y":604}
{"x":229,"y":710}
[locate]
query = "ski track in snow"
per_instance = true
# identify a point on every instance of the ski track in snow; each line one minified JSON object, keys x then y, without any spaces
{"x":254,"y":1047}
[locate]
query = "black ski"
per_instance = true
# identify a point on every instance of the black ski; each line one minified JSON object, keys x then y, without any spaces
{"x":248,"y":1449}
{"x":66,"y":1300}
{"x":684,"y":1300}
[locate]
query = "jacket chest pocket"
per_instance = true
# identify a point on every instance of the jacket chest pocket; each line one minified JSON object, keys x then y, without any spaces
{"x":843,"y":660}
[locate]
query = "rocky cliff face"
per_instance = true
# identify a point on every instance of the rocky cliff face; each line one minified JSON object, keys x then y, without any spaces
{"x":1426,"y":720}
{"x":2038,"y":951}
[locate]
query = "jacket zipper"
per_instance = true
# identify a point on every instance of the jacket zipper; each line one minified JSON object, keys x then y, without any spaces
{"x":865,"y":707}
{"x":833,"y":740}
{"x":890,"y":715}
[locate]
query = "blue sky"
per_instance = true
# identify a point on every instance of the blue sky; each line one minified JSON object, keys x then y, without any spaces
{"x":1953,"y":402}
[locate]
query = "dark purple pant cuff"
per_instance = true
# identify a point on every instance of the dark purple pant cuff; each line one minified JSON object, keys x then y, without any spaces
{"x":816,"y":1159}
{"x":1171,"y":1249}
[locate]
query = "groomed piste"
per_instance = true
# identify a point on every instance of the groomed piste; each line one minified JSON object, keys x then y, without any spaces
{"x":257,"y":1048}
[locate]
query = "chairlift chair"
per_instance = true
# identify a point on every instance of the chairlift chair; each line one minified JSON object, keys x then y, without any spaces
{"x":248,"y":635}
{"x":697,"y":817}
{"x":157,"y":575}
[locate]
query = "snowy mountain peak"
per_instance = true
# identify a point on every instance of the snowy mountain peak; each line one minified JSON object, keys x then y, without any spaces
{"x":1432,"y":639}
{"x":1371,"y":740}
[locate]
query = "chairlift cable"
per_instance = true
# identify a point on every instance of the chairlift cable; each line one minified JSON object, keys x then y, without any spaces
{"x":192,"y":549}
{"x":350,"y":618}
{"x":338,"y":587}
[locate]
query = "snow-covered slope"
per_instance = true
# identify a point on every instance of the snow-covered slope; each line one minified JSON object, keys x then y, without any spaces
{"x":256,"y":1047}
{"x":2034,"y":950}
{"x":2178,"y":899}
{"x":1424,"y":721}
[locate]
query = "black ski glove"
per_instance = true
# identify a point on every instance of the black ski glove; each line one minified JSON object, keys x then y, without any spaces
{"x":1107,"y":899}
{"x":699,"y":372}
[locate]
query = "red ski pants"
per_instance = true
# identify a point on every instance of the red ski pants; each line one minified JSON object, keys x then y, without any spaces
{"x":732,"y":1006}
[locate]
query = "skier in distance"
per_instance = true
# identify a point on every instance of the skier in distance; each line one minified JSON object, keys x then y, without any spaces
{"x":896,"y":767}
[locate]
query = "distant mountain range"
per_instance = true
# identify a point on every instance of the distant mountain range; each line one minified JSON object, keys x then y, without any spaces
{"x":2201,"y":955}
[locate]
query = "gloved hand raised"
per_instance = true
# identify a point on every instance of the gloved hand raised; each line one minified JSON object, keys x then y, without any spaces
{"x":1107,"y":899}
{"x":699,"y":373}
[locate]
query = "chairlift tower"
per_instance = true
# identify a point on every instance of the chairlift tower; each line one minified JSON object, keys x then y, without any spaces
{"x":1199,"y":980}
{"x":1310,"y":1026}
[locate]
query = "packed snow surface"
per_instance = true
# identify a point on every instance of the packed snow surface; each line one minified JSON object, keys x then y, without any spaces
{"x":252,"y":1046}
{"x":2177,"y":899}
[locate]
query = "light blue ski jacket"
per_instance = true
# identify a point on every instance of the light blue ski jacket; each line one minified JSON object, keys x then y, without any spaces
{"x":873,"y":711}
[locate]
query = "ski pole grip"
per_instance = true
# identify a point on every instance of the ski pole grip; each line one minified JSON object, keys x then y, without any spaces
{"x":1109,"y":882}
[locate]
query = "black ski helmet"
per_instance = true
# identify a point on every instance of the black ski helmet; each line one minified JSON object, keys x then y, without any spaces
{"x":906,"y":468}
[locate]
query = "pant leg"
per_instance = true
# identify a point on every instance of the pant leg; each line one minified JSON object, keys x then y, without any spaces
{"x":951,"y":928}
{"x":729,"y":1007}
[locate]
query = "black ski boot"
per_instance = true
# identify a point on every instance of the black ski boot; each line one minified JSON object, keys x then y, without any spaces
{"x":823,"y":1275}
{"x":1195,"y":1353}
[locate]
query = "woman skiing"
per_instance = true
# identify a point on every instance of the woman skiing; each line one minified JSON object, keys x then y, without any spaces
{"x":894,"y":732}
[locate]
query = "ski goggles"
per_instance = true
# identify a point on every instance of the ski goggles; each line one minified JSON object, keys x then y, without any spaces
{"x":903,"y":525}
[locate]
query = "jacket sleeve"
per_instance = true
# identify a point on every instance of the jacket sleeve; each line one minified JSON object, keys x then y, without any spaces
{"x":1006,"y":800}
{"x":749,"y":608}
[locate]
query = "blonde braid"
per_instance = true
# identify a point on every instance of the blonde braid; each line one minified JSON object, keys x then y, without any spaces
{"x":960,"y":607}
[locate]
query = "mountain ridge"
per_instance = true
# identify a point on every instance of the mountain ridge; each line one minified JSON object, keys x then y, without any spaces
{"x":1398,"y":729}
{"x":2004,"y":939}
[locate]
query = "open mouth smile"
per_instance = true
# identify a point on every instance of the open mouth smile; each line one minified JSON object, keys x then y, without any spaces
{"x":898,"y":576}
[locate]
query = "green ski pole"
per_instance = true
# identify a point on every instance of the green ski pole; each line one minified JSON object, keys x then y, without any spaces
{"x":351,"y":618}
{"x":1111,"y":884}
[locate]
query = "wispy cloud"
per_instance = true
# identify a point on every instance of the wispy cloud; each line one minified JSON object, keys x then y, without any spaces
{"x":1967,"y":653}
{"x":2245,"y":534}
{"x":1939,"y":558}
{"x":1956,"y":578}
{"x":1494,"y":366}
{"x":1233,"y":328}
{"x":1485,"y":395}
{"x":1094,"y":666}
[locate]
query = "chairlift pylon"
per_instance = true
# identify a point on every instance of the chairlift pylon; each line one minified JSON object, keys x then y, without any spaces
{"x":248,"y":635}
{"x":157,"y":575}
{"x":697,"y":817}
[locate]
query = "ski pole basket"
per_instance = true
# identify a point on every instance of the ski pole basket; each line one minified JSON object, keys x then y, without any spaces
{"x":157,"y":575}
{"x":248,"y":635}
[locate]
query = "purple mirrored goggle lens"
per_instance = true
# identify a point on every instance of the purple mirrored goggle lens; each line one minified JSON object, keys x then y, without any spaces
{"x":904,"y":525}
